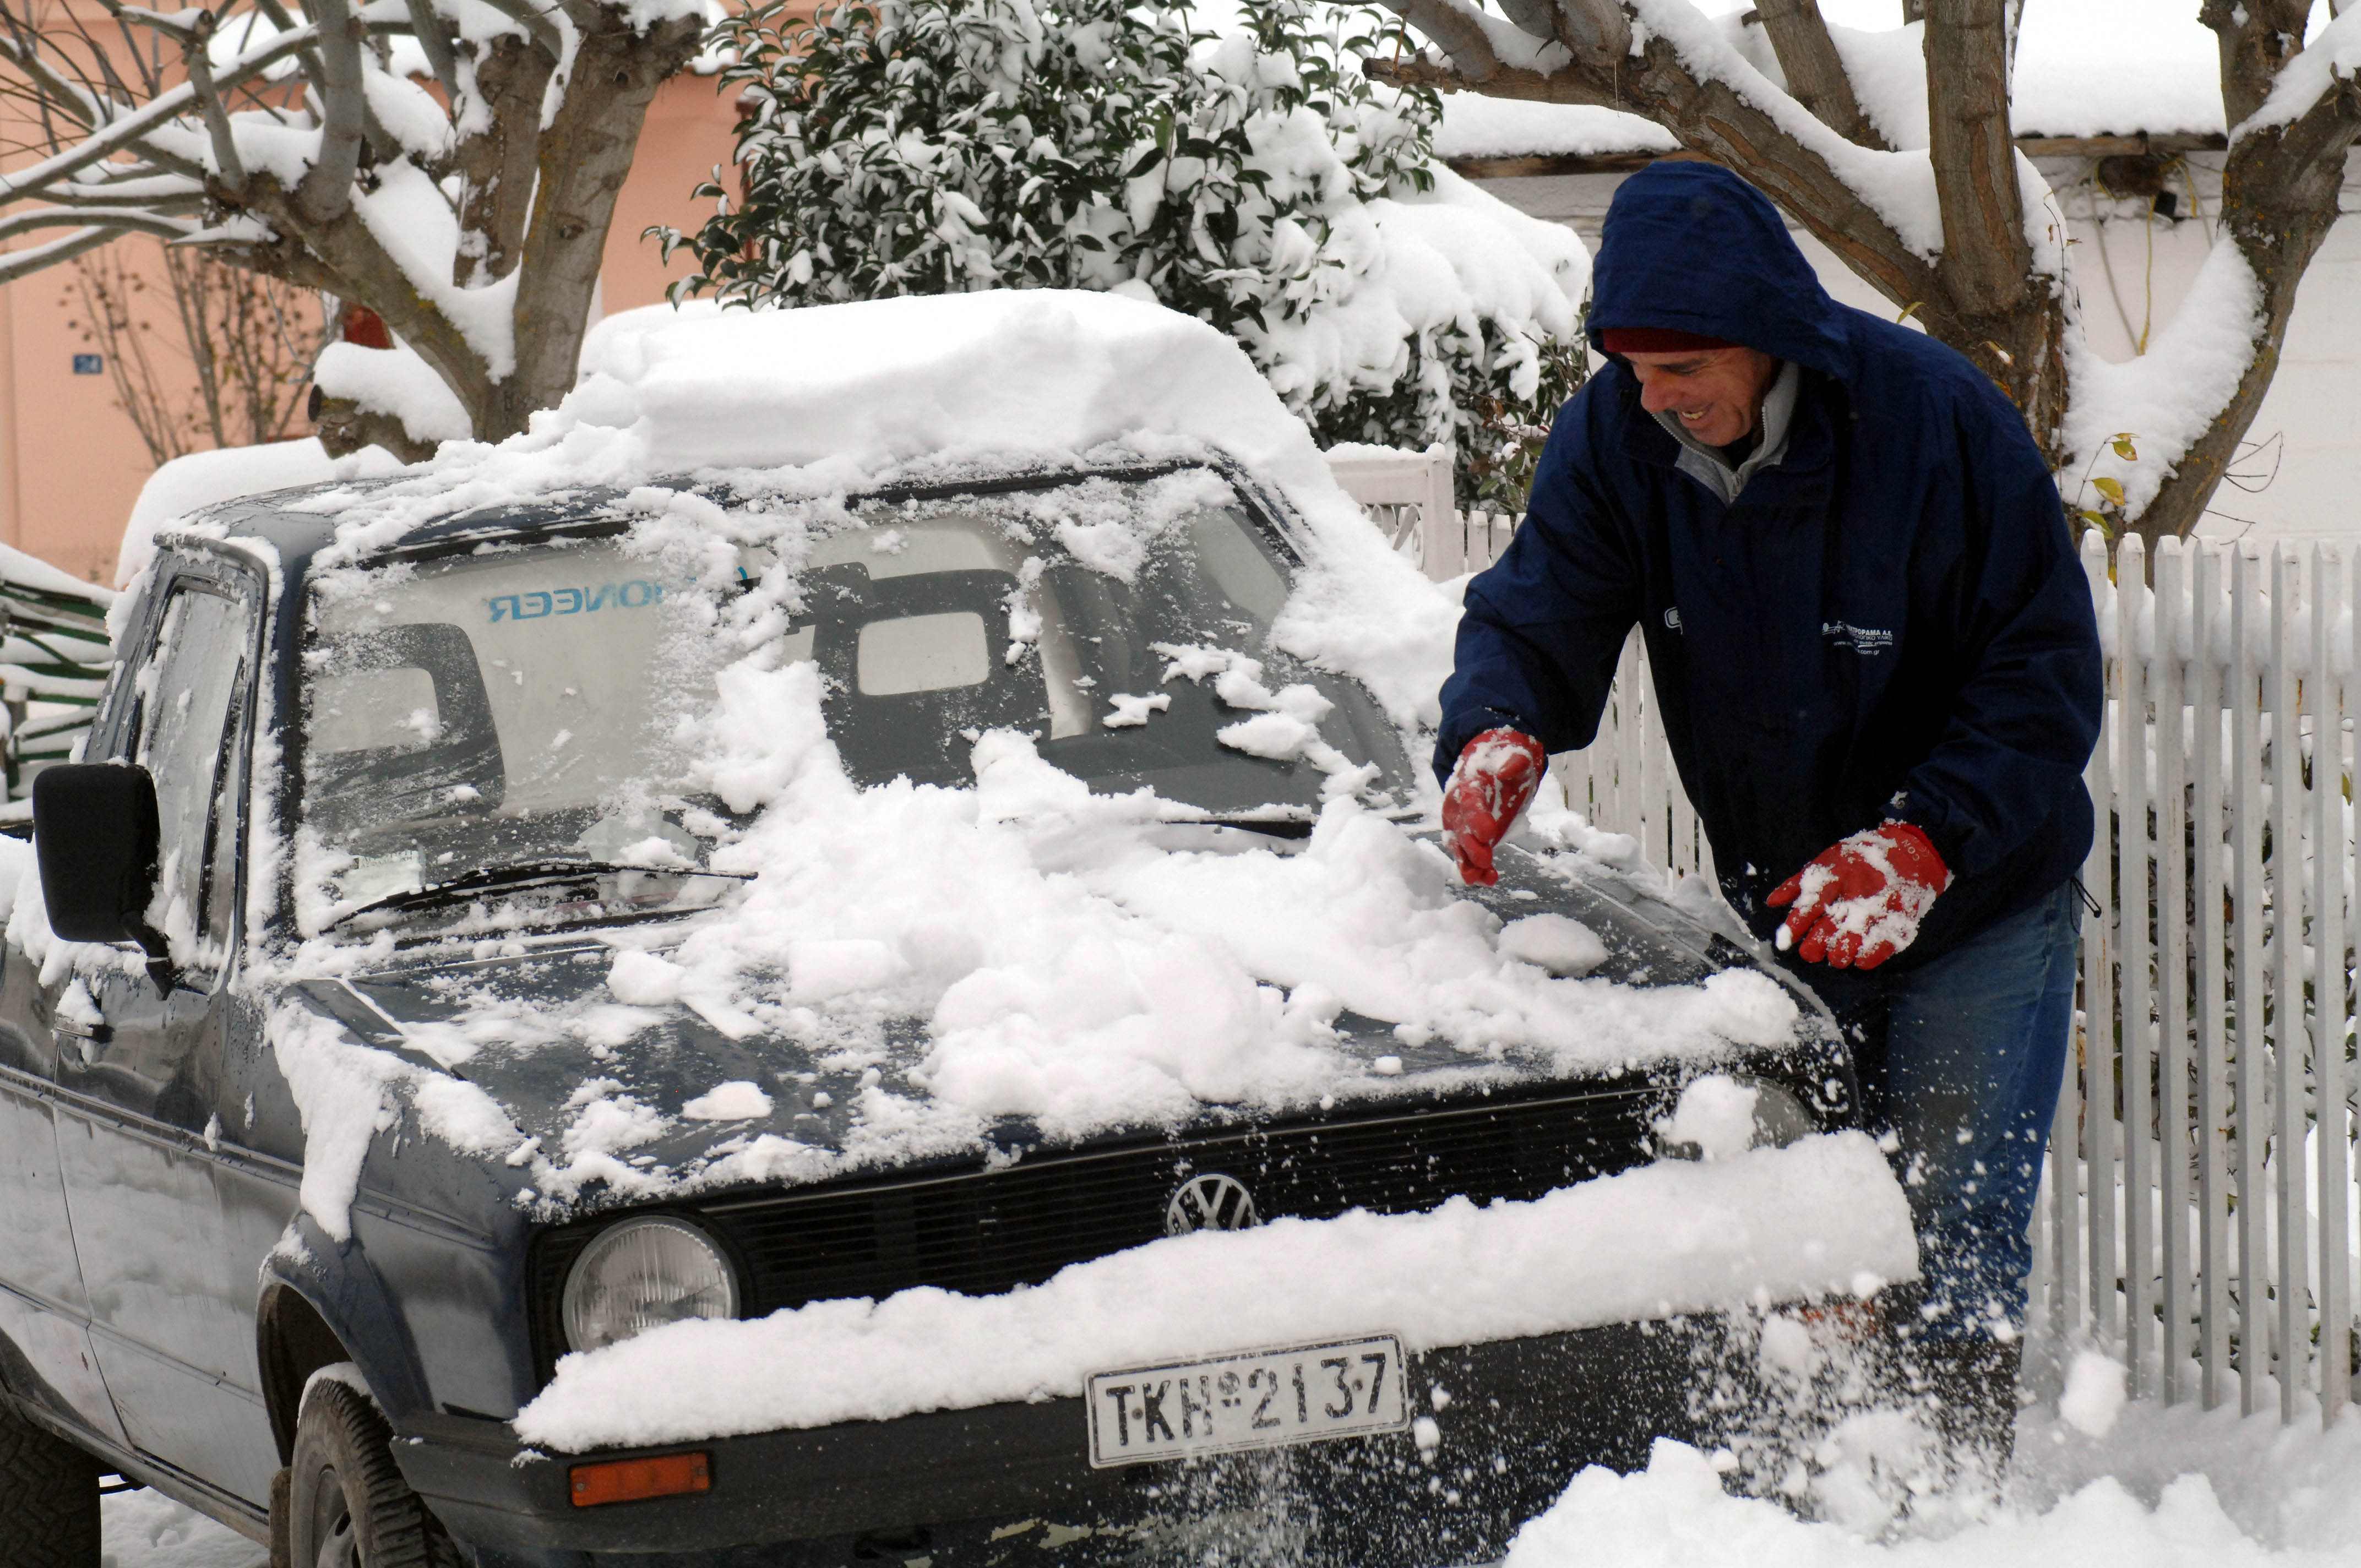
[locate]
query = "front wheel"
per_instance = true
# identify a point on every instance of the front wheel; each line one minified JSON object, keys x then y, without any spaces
{"x":49,"y":1498}
{"x":347,"y":1504}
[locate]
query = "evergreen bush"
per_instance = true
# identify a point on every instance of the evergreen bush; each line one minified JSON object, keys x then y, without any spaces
{"x":1257,"y":181}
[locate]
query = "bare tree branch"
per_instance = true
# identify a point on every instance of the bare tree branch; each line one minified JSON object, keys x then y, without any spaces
{"x":1815,"y":72}
{"x":276,"y":15}
{"x":16,"y":264}
{"x":123,"y":132}
{"x":143,"y":219}
{"x":326,"y":192}
{"x":428,"y":29}
{"x":193,"y":45}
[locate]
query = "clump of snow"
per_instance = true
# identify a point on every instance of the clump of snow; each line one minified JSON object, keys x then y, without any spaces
{"x":1715,"y":1115}
{"x":737,"y":1101}
{"x":395,"y":382}
{"x":1565,"y":946}
{"x":1809,"y":1221}
{"x":346,"y":1094}
{"x":2095,"y":1394}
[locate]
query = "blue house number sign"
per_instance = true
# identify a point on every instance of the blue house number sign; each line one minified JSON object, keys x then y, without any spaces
{"x":90,"y":364}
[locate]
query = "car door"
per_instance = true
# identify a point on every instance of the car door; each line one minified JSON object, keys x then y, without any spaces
{"x":45,"y":1350}
{"x":145,"y":1120}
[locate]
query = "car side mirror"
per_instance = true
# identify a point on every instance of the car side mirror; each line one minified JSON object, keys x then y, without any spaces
{"x":95,"y":835}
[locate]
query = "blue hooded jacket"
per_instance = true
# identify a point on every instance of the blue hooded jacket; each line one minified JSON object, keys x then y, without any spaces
{"x":1890,"y":622}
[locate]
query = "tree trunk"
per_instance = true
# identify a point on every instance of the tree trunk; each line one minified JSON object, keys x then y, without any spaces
{"x":584,"y":157}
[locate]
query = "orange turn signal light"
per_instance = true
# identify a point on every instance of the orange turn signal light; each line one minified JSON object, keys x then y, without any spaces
{"x":632,"y":1480}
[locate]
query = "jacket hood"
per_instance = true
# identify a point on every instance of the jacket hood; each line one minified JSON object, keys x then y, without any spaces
{"x":1692,"y":248}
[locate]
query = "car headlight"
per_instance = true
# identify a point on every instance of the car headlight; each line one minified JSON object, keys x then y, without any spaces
{"x":643,"y":1274}
{"x":1726,"y":1114}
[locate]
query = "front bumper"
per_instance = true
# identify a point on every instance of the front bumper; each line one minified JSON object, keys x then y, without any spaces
{"x":1011,"y":1483}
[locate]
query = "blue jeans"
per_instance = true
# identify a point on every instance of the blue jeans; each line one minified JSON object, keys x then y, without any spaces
{"x":1961,"y":1059}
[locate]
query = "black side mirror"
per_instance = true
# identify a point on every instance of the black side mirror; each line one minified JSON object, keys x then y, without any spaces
{"x":95,"y":833}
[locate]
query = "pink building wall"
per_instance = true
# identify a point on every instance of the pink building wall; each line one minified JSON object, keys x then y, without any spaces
{"x":71,"y":463}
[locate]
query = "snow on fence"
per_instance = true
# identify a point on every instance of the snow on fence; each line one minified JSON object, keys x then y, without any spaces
{"x":2218,"y":1248}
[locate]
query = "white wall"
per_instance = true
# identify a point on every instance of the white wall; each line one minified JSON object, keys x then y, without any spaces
{"x":2311,"y":422}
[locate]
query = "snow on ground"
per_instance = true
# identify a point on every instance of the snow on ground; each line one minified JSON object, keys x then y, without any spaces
{"x":147,"y":1529}
{"x":2164,"y":1488}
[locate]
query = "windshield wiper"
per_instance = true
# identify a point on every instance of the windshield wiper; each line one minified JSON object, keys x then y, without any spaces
{"x":519,"y":874}
{"x":1270,"y":827}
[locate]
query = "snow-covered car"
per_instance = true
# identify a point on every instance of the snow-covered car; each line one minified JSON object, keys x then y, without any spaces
{"x":841,"y":951}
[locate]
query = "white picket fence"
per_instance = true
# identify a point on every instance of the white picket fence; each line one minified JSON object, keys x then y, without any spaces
{"x":2198,"y":1214}
{"x":2199,"y":1205}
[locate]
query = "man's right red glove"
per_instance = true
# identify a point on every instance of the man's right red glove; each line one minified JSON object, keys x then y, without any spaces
{"x":1493,"y":780}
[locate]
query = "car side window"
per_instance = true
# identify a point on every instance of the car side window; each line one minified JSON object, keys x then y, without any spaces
{"x":191,"y":701}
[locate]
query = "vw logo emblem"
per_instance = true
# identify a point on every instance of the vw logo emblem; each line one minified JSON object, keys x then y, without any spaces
{"x":1210,"y":1202}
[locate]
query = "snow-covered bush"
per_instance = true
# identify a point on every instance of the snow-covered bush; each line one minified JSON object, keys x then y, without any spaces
{"x":1257,"y":181}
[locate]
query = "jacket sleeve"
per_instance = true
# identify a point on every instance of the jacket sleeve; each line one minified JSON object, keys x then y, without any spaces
{"x":2030,"y":689}
{"x":1544,"y":626}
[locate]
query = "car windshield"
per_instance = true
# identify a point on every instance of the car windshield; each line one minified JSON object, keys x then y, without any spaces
{"x":521,"y":709}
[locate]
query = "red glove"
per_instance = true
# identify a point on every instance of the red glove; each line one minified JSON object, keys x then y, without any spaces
{"x":1495,"y":777}
{"x":1860,"y":902}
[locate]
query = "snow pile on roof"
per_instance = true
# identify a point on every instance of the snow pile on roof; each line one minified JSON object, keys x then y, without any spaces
{"x":1819,"y":1217}
{"x":2086,"y":69}
{"x":206,"y":478}
{"x":837,"y":397}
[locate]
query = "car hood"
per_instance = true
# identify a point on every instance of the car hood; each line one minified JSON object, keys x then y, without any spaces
{"x":613,"y":1101}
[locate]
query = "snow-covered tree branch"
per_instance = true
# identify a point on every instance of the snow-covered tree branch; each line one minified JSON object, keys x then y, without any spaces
{"x":451,"y":164}
{"x":1959,"y":229}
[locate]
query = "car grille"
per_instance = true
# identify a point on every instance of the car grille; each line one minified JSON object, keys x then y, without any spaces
{"x":983,"y":1232}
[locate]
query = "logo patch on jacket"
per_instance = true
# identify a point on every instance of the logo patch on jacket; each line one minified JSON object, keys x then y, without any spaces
{"x":1862,"y":639}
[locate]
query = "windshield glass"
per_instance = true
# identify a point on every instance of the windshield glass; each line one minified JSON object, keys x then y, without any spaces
{"x":528,"y":705}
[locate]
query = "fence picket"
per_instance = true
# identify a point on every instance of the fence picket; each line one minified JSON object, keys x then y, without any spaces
{"x":2098,"y":1047}
{"x":2137,"y":1041}
{"x":2326,"y":801}
{"x":2173,"y":636}
{"x":2333,"y":1082}
{"x":2210,"y":1001}
{"x":2247,"y":812}
{"x":2291,"y":1330}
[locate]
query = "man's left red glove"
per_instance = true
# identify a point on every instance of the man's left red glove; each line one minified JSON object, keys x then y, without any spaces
{"x":1860,"y":901}
{"x":1493,"y":780}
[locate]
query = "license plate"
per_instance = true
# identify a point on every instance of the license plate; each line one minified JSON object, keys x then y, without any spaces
{"x":1251,"y":1399}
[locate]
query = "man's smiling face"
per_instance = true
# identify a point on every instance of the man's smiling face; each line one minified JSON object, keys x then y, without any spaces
{"x":1717,"y":393}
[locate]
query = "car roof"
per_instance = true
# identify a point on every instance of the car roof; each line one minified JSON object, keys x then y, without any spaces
{"x":294,"y":535}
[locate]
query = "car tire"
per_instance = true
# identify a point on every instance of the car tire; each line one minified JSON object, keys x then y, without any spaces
{"x":49,"y":1498}
{"x":347,"y":1504}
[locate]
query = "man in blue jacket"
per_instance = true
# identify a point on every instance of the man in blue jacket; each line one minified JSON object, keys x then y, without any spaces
{"x":1879,"y":673}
